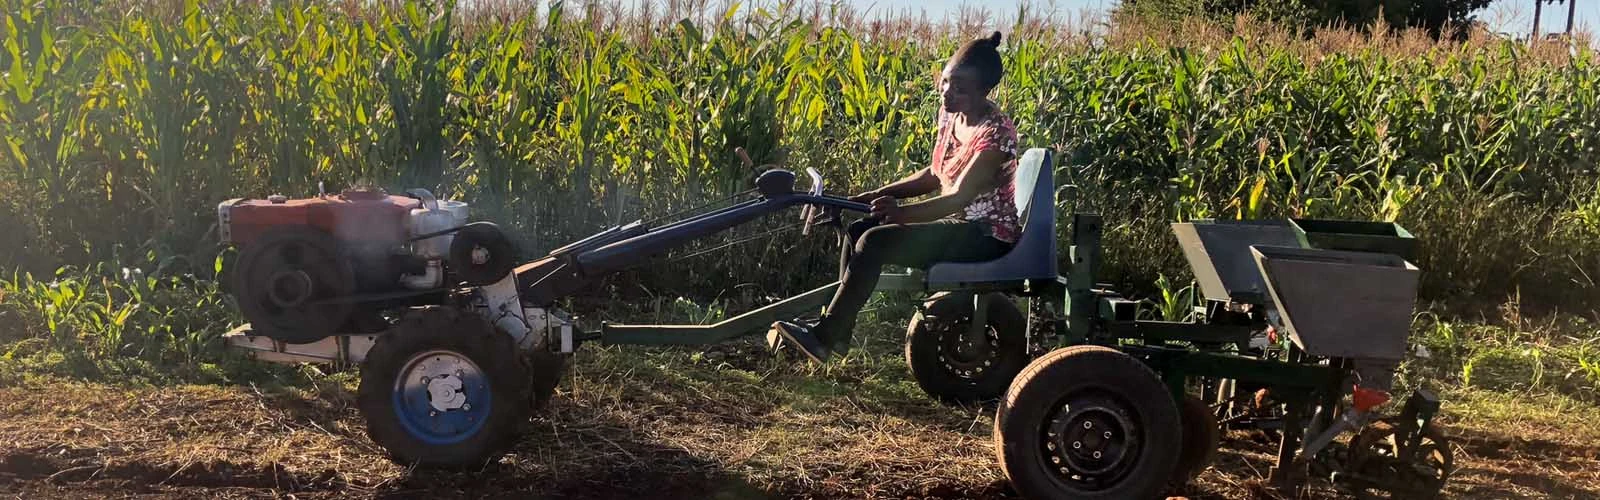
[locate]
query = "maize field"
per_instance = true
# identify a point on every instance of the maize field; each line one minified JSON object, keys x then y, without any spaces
{"x":125,"y":122}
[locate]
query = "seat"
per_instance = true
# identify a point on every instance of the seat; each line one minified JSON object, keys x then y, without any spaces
{"x":1034,"y":255}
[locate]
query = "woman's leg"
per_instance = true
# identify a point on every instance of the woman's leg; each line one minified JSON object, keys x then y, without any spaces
{"x":847,"y":242}
{"x":913,"y":245}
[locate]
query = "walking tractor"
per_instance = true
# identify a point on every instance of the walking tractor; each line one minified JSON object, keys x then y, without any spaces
{"x":1303,"y":325}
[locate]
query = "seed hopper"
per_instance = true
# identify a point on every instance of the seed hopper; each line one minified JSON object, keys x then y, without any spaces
{"x":1302,"y":325}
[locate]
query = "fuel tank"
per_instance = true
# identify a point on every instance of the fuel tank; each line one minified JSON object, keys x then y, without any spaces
{"x":352,"y":216}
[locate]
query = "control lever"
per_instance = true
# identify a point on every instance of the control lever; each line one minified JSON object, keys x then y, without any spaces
{"x":744,"y":157}
{"x":809,"y":213}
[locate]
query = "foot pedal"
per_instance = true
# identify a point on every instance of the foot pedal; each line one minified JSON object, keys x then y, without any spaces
{"x":774,"y":340}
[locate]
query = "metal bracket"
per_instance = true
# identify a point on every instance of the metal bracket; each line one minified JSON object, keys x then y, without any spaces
{"x":503,"y":308}
{"x":980,"y":315}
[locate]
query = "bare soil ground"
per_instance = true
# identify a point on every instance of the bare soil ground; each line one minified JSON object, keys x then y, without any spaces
{"x":631,"y":423}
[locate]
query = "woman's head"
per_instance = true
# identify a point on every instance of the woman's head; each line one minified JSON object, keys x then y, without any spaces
{"x":972,"y":72}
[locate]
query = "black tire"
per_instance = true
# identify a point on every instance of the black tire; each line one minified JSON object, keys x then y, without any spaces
{"x":310,"y":267}
{"x":1201,"y":436}
{"x":545,"y":370}
{"x":1134,"y":459}
{"x":498,"y":259}
{"x":956,"y":370}
{"x":444,"y":335}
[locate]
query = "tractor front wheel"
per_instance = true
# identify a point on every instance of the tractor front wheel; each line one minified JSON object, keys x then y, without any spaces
{"x":444,"y":388}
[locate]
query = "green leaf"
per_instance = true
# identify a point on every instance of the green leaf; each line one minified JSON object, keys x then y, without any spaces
{"x":814,"y":111}
{"x":856,"y":65}
{"x":18,"y":78}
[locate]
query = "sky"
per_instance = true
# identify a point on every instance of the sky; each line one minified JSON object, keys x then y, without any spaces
{"x":1510,"y":16}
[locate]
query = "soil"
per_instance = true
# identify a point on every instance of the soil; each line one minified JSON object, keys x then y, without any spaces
{"x":613,"y":433}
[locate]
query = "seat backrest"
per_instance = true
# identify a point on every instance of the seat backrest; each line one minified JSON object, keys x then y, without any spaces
{"x":1026,"y":177}
{"x":1034,"y":255}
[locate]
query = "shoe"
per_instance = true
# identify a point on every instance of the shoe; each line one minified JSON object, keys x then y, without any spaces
{"x":800,"y":337}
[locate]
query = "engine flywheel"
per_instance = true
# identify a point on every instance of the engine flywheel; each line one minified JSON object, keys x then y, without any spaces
{"x":285,"y":280}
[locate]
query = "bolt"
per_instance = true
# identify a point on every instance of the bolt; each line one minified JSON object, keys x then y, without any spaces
{"x":1097,"y":455}
{"x":460,"y":374}
{"x":425,"y":380}
{"x":1108,"y":434}
{"x":433,"y":413}
{"x":1088,"y":425}
{"x":1051,"y":446}
{"x":1077,"y":445}
{"x":1055,"y":460}
{"x":466,"y":407}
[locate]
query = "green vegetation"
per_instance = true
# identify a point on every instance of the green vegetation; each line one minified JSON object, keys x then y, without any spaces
{"x":1438,"y":17}
{"x":124,"y":123}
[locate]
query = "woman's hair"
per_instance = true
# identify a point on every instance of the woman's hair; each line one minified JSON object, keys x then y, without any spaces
{"x":982,"y":55}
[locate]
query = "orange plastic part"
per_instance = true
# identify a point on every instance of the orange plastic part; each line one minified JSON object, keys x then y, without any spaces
{"x":1367,"y":399}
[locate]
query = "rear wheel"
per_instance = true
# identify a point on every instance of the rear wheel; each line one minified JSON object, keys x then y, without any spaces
{"x":957,"y":365}
{"x":1201,"y":436}
{"x":444,"y":388}
{"x":1088,"y":422}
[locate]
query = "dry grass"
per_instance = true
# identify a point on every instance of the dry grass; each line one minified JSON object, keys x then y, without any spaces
{"x":729,"y":422}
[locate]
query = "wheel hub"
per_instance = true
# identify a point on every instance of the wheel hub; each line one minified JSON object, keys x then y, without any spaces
{"x":480,"y":255}
{"x":444,"y":392}
{"x":441,"y":397}
{"x":965,"y":353}
{"x":1090,"y":441}
{"x":289,"y":288}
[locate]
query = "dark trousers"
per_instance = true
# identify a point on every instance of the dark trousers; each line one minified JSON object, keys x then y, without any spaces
{"x":869,"y":246}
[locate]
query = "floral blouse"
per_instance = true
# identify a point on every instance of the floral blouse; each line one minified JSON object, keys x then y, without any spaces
{"x":951,"y":157}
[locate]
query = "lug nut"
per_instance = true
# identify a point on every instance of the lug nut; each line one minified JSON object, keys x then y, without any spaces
{"x":1077,"y":445}
{"x":433,"y":413}
{"x":466,"y":407}
{"x":1088,"y":425}
{"x":1097,"y":455}
{"x":1108,"y":434}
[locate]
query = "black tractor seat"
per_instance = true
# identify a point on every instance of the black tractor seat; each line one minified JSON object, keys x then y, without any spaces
{"x":1033,"y":258}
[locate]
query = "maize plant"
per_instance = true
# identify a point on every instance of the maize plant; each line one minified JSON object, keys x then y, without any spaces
{"x":124,"y":122}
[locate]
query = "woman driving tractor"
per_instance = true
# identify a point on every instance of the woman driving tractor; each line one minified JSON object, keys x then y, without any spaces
{"x":972,"y":216}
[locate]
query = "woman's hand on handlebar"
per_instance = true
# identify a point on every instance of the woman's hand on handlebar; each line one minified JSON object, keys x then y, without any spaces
{"x":886,"y":209}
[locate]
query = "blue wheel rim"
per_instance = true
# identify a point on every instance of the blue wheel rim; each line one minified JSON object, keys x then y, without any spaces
{"x":441,"y":397}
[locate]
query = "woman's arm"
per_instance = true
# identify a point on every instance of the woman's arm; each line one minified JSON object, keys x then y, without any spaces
{"x":980,"y":177}
{"x":917,"y":184}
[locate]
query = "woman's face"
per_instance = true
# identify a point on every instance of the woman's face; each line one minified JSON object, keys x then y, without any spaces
{"x":959,"y":89}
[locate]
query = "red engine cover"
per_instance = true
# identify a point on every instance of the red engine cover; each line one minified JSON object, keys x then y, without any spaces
{"x":352,"y":216}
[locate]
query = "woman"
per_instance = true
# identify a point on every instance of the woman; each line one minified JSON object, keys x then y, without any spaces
{"x":972,"y":216}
